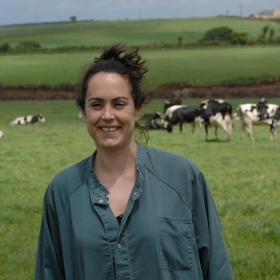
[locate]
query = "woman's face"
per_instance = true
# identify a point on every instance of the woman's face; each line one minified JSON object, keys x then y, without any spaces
{"x":110,"y":114}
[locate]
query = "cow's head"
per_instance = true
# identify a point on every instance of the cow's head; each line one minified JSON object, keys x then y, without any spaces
{"x":169,"y":128}
{"x":41,"y":118}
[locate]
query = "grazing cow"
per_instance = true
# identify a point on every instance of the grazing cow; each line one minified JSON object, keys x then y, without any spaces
{"x":169,"y":112}
{"x":28,"y":119}
{"x":1,"y":134}
{"x":258,"y":114}
{"x":170,"y":102}
{"x":217,"y":114}
{"x":184,"y":114}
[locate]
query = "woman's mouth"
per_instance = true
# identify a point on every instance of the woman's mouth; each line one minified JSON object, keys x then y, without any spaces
{"x":109,"y":129}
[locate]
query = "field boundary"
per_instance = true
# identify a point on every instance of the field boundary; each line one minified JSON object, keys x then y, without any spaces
{"x":172,"y":90}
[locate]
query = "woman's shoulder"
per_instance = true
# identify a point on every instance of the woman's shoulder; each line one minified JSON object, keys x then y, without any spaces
{"x":167,"y":159}
{"x":69,"y":179}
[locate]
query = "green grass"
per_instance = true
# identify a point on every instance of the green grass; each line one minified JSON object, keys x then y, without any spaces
{"x":135,"y":32}
{"x":243,"y":177}
{"x":208,"y":66}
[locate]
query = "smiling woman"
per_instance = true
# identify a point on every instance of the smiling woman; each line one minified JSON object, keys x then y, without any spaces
{"x":121,"y":213}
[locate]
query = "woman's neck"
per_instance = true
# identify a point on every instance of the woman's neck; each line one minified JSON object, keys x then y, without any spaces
{"x":115,"y":161}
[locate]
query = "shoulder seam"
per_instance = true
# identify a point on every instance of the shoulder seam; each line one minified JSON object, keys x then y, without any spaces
{"x":63,"y":208}
{"x":170,"y":186}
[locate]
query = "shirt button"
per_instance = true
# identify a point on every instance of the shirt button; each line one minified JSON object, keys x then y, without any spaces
{"x":135,"y":193}
{"x":119,"y":246}
{"x":100,"y":201}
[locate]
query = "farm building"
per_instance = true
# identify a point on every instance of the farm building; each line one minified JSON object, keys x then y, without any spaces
{"x":273,"y":13}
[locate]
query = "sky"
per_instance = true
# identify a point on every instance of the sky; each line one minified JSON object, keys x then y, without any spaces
{"x":36,"y":11}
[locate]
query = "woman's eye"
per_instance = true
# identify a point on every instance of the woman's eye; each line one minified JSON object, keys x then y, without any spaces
{"x":96,"y":105}
{"x":119,"y":105}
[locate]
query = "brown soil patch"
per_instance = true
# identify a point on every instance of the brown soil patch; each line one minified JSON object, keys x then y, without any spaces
{"x":174,"y":90}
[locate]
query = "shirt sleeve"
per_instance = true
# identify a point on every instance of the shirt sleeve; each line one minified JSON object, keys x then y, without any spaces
{"x":214,"y":259}
{"x":49,"y":261}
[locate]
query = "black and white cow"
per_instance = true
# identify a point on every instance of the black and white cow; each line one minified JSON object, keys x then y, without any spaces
{"x":28,"y":119}
{"x":254,"y":114}
{"x":182,"y":115}
{"x":1,"y":134}
{"x":275,"y":123}
{"x":169,"y":112}
{"x":170,"y":102}
{"x":217,"y":114}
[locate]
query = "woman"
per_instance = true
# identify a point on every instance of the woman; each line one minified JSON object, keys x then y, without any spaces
{"x":127,"y":211}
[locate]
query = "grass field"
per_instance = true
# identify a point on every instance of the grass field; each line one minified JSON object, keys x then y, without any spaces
{"x":243,"y":177}
{"x":196,"y":66}
{"x":135,"y":32}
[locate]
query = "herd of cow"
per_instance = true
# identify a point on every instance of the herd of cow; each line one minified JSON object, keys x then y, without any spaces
{"x":216,"y":113}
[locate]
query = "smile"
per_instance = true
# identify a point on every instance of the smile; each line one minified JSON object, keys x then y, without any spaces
{"x":109,"y":129}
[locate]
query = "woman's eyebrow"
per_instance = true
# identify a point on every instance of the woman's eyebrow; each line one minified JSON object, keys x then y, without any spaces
{"x":95,"y":98}
{"x":114,"y":99}
{"x":120,"y":98}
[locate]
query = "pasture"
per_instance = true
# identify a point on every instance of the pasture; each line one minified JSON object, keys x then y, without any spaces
{"x":243,"y":177}
{"x":204,"y":66}
{"x":135,"y":32}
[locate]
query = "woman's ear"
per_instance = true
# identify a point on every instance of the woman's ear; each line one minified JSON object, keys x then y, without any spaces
{"x":138,"y":112}
{"x":83,"y":115}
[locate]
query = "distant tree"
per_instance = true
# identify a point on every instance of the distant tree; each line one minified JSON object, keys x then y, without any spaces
{"x":219,"y":33}
{"x":29,"y":45}
{"x":264,"y":31}
{"x":239,"y":38}
{"x":180,"y":39}
{"x":73,"y":19}
{"x":4,"y":47}
{"x":271,"y":34}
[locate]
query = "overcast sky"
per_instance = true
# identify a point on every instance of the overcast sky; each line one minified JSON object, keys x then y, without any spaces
{"x":32,"y":11}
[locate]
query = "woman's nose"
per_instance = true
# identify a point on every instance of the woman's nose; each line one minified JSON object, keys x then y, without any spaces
{"x":107,"y":113}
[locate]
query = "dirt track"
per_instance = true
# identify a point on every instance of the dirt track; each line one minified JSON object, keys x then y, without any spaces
{"x":257,"y":90}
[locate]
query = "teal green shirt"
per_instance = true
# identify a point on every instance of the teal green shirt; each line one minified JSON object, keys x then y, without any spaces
{"x":170,"y":229}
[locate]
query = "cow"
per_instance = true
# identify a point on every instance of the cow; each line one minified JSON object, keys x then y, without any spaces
{"x":169,"y":112}
{"x":217,"y":114}
{"x":1,"y":134}
{"x":28,"y":119}
{"x":258,"y":114}
{"x":151,"y":121}
{"x":181,"y":115}
{"x":275,"y":123}
{"x":170,"y":102}
{"x":152,"y":124}
{"x":204,"y":103}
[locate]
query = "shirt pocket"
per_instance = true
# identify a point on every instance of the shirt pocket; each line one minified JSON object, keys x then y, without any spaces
{"x":175,"y":243}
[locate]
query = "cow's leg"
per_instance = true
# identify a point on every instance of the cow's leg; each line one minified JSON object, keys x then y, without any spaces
{"x":242,"y":130}
{"x":216,"y":133}
{"x":224,"y":127}
{"x":249,"y":130}
{"x":193,"y":127}
{"x":181,"y":127}
{"x":206,"y":132}
{"x":272,"y":133}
